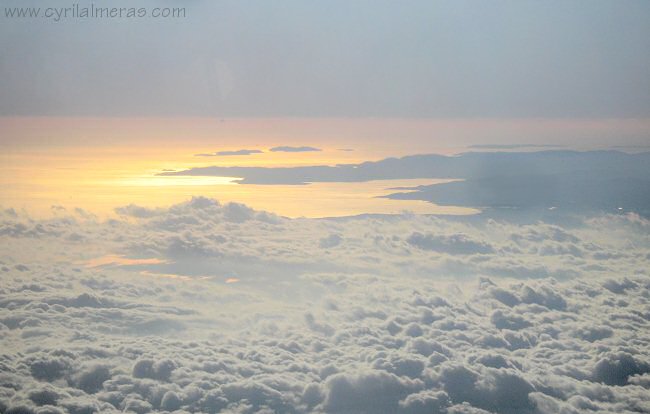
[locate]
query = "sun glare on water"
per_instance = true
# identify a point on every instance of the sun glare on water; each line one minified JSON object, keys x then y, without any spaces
{"x":164,"y":181}
{"x":100,"y":178}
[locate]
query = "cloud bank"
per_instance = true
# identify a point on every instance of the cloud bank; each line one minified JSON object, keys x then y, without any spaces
{"x":397,"y":314}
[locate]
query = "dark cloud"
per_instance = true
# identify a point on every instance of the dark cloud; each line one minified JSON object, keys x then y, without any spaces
{"x":92,"y":378}
{"x":511,"y":146}
{"x":294,"y":149}
{"x":231,"y":153}
{"x":617,"y":368}
{"x":159,"y":370}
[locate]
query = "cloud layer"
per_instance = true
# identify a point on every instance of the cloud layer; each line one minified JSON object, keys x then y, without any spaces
{"x":400,"y":314}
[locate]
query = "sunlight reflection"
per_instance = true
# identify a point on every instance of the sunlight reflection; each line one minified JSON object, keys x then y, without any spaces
{"x":159,"y":181}
{"x":115,"y":260}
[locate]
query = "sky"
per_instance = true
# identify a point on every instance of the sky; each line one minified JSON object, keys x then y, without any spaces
{"x":432,"y":59}
{"x":330,"y":207}
{"x":89,"y":102}
{"x":89,"y":106}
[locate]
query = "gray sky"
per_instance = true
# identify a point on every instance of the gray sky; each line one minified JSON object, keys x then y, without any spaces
{"x":334,"y":58}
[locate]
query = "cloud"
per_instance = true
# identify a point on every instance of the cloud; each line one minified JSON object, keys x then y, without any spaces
{"x":454,"y":244}
{"x":294,"y":149}
{"x":512,"y":146}
{"x":136,"y":211}
{"x":374,"y":391}
{"x":158,"y":370}
{"x":92,"y":378}
{"x":500,"y":390}
{"x":329,"y":316}
{"x":617,"y":368}
{"x":231,"y":153}
{"x":330,"y":241}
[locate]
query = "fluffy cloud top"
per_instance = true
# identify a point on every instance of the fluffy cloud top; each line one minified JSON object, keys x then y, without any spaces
{"x":244,"y":312}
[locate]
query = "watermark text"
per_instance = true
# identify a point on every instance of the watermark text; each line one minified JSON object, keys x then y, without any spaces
{"x":78,"y":11}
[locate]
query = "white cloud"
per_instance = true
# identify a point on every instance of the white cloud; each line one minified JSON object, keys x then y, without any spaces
{"x":369,"y":323}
